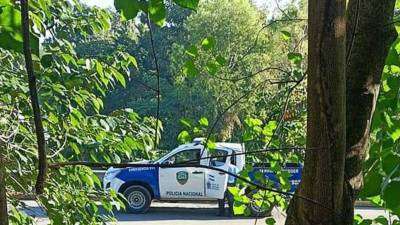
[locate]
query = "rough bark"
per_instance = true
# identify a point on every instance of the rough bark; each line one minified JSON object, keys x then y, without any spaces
{"x":41,"y":142}
{"x":323,"y":174}
{"x":370,"y":34}
{"x":3,"y":194}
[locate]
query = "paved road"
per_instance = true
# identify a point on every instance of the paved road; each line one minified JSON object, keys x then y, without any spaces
{"x":194,"y":214}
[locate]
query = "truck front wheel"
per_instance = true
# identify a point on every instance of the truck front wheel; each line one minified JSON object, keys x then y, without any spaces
{"x":138,"y":199}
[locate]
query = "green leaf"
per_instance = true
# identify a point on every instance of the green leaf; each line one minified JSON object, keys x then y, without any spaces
{"x":252,"y":122}
{"x":192,"y":51}
{"x":130,"y":142}
{"x":88,"y":180}
{"x":211,"y":145}
{"x":99,"y":69}
{"x":247,"y":136}
{"x":190,"y":4}
{"x":157,"y":12}
{"x":239,"y":208}
{"x":186,"y":122}
{"x":208,"y":43}
{"x":189,"y":69}
{"x":393,"y":56}
{"x":372,"y":185}
{"x":46,"y":60}
{"x":391,"y":162}
{"x":203,"y":121}
{"x":96,"y":180}
{"x":234,"y":190}
{"x":127,"y":8}
{"x":133,"y":61}
{"x":75,"y":148}
{"x":11,"y":31}
{"x":269,"y":128}
{"x":381,"y":220}
{"x":392,"y":197}
{"x":220,"y":60}
{"x":211,"y":68}
{"x":286,"y":35}
{"x":119,"y":77}
{"x":184,"y":137}
{"x":387,"y":119}
{"x":395,"y":135}
{"x":295,"y":57}
{"x":270,"y":221}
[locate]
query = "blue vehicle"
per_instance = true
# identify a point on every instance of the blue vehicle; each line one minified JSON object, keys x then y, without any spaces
{"x":140,"y":185}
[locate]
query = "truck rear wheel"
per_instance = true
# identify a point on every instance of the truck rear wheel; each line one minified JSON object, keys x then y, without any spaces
{"x":256,"y":210}
{"x":138,"y":199}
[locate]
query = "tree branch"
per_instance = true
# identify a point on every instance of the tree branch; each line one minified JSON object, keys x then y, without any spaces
{"x":253,"y":74}
{"x":41,"y":142}
{"x":158,"y":80}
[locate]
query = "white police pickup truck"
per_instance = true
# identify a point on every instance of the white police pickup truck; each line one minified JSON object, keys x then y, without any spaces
{"x":140,"y":185}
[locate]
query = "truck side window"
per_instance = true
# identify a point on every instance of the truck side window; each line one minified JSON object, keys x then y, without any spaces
{"x":189,"y":157}
{"x":218,"y":157}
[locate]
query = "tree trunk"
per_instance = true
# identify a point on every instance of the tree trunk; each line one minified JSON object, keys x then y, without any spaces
{"x":370,"y":34}
{"x":333,"y":174}
{"x":323,"y":174}
{"x":3,"y":194}
{"x":41,"y":142}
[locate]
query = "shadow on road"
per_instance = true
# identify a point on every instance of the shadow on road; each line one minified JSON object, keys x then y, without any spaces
{"x":176,"y":213}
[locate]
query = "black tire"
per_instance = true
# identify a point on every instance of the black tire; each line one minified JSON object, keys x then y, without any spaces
{"x":138,"y":199}
{"x":255,"y":210}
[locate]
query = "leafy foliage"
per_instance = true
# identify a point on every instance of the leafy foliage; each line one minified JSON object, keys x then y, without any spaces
{"x":382,"y":166}
{"x":71,"y":90}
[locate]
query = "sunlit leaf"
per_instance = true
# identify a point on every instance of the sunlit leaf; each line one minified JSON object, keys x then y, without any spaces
{"x":208,"y":43}
{"x":184,"y":137}
{"x":203,"y":121}
{"x":286,"y":35}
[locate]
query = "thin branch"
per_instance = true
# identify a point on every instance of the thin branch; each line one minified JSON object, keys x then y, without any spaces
{"x":252,"y":75}
{"x":233,"y":104}
{"x":143,"y":84}
{"x":61,"y":148}
{"x":280,"y":9}
{"x":41,"y":142}
{"x":247,"y":53}
{"x":158,"y":80}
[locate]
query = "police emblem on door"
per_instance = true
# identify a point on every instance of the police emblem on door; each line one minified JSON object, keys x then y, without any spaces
{"x":182,"y":177}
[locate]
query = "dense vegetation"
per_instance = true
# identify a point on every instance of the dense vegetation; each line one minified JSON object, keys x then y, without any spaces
{"x":116,"y":86}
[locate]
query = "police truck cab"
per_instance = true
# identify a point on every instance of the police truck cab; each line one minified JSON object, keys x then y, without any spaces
{"x":161,"y":181}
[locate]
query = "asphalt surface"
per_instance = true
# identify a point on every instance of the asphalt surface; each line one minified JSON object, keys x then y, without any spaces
{"x":191,"y":214}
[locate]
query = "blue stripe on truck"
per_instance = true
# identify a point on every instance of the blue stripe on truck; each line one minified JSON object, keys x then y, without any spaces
{"x":147,"y":175}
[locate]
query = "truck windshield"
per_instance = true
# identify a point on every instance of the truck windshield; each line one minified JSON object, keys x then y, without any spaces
{"x":189,"y":157}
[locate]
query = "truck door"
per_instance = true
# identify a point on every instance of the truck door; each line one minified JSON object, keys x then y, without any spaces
{"x":184,"y":182}
{"x":216,"y":181}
